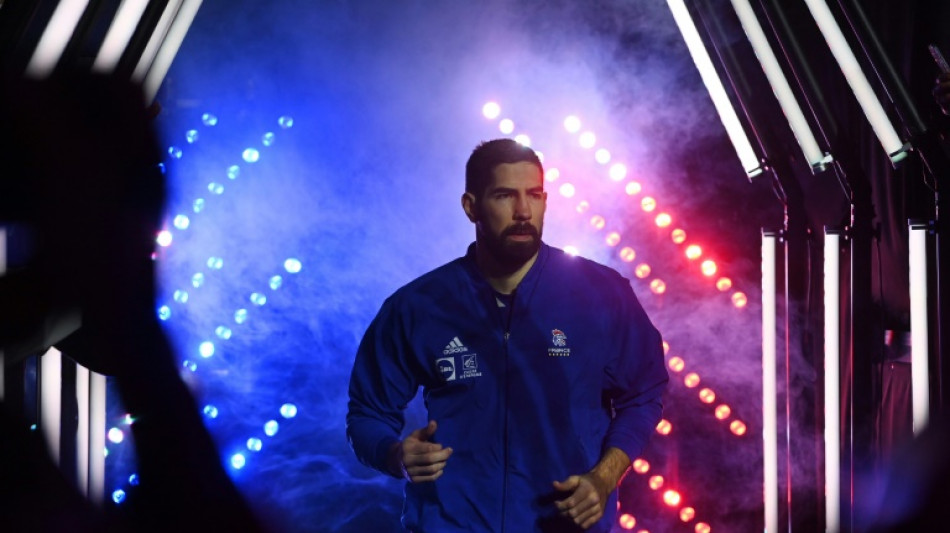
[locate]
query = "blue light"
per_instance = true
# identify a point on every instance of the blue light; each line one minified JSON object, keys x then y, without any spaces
{"x":208,"y":119}
{"x":118,"y":496}
{"x":198,"y":280}
{"x":238,"y":461}
{"x":206,"y":349}
{"x":198,"y":205}
{"x":134,"y":480}
{"x":271,"y":427}
{"x":164,"y":312}
{"x":223,"y":332}
{"x":175,"y":152}
{"x":181,"y":222}
{"x":240,"y":316}
{"x":161,"y":167}
{"x":189,"y":365}
{"x":210,"y":411}
{"x":116,"y":435}
{"x":285,"y":122}
{"x":233,"y":172}
{"x":191,"y":136}
{"x":180,"y":296}
{"x":251,"y":155}
{"x":254,"y":444}
{"x":215,"y":263}
{"x":258,"y":299}
{"x":292,"y":265}
{"x":215,"y":188}
{"x":275,"y":282}
{"x":268,"y":138}
{"x":288,"y":410}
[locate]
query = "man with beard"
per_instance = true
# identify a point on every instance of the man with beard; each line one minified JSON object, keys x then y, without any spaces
{"x":541,"y":373}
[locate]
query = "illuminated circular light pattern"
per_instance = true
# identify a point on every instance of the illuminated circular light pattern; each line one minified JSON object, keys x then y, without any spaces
{"x":702,"y":527}
{"x":627,"y":521}
{"x":251,"y":155}
{"x":215,"y":188}
{"x":648,"y":204}
{"x":134,"y":480}
{"x":285,"y":122}
{"x":687,"y":514}
{"x":181,"y":222}
{"x":642,"y":270}
{"x":180,"y":296}
{"x":613,"y":238}
{"x":663,"y":220}
{"x":191,"y":136}
{"x":198,"y":205}
{"x":664,"y":427}
{"x":566,"y":190}
{"x":206,"y":349}
{"x":271,"y":427}
{"x":602,"y":156}
{"x":724,"y":284}
{"x":583,"y":206}
{"x":223,"y":332}
{"x":598,"y":221}
{"x":268,"y":139}
{"x":572,"y":124}
{"x":693,"y":252}
{"x":552,"y":174}
{"x":540,"y":156}
{"x":737,"y":427}
{"x":164,"y":238}
{"x":627,"y":254}
{"x":233,"y":172}
{"x":618,"y":171}
{"x":118,"y":496}
{"x":707,"y":395}
{"x":240,"y":316}
{"x":116,"y":435}
{"x":658,"y":286}
{"x":523,"y":139}
{"x":189,"y":365}
{"x":491,"y":110}
{"x":723,"y":411}
{"x":739,"y":299}
{"x":641,"y":466}
{"x":678,"y":236}
{"x":672,"y":498}
{"x":238,"y":461}
{"x":175,"y":152}
{"x":506,"y":126}
{"x":666,"y":347}
{"x":691,"y":379}
{"x":210,"y":411}
{"x":292,"y":265}
{"x":164,"y":312}
{"x":197,"y":280}
{"x":655,"y":482}
{"x":288,"y":410}
{"x":632,"y":188}
{"x":676,"y":364}
{"x":587,"y":139}
{"x":275,"y":282}
{"x":215,"y":263}
{"x":258,"y":299}
{"x":208,"y":119}
{"x":571,"y":250}
{"x":709,"y":268}
{"x":254,"y":444}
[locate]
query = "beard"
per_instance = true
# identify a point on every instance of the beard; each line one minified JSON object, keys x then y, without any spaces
{"x":512,"y":254}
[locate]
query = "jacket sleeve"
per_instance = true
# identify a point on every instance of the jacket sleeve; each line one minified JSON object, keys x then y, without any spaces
{"x":381,"y":386}
{"x":636,"y":377}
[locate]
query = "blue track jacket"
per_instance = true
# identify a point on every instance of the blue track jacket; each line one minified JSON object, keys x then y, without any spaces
{"x":524,"y":396}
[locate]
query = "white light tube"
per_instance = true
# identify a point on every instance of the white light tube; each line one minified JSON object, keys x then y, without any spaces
{"x":750,"y":162}
{"x":769,"y":397}
{"x":783,"y":92}
{"x":97,"y":438}
{"x":169,"y":49}
{"x":55,"y":37}
{"x":832,"y":381}
{"x":872,"y":108}
{"x":120,"y":32}
{"x":82,"y":429}
{"x":51,"y":393}
{"x":3,"y":270}
{"x":155,"y":41}
{"x":919,"y":335}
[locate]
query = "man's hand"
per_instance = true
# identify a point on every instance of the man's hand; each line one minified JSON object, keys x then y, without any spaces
{"x":588,"y":493}
{"x":417,"y":458}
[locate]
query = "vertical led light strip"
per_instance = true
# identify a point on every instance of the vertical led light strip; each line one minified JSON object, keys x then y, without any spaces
{"x":919,"y":334}
{"x":155,"y":41}
{"x":82,"y":429}
{"x":872,"y":108}
{"x":750,"y":162}
{"x":169,"y":48}
{"x":51,"y":372}
{"x":769,"y":402}
{"x":55,"y":37}
{"x":120,"y":32}
{"x":97,"y":438}
{"x":783,"y":92}
{"x":832,"y":381}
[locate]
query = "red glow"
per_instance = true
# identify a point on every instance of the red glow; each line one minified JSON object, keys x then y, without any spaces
{"x":567,"y":190}
{"x":552,"y":174}
{"x":678,"y":236}
{"x":707,"y":396}
{"x":582,"y":206}
{"x":691,"y":379}
{"x":666,"y":347}
{"x":687,"y":514}
{"x":627,"y":254}
{"x":724,"y":284}
{"x":737,"y":427}
{"x":739,"y":299}
{"x":642,"y":270}
{"x":663,"y":220}
{"x":658,"y":286}
{"x":655,"y":482}
{"x":703,"y":527}
{"x":648,"y":204}
{"x":613,"y":238}
{"x":597,"y":221}
{"x":633,"y":188}
{"x":627,"y":521}
{"x":664,"y":427}
{"x":641,"y":466}
{"x":723,"y":411}
{"x":709,"y":268}
{"x":676,"y":364}
{"x":693,"y":251}
{"x":672,"y":498}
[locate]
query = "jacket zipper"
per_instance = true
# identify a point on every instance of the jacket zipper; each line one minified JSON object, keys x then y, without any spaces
{"x":504,"y":492}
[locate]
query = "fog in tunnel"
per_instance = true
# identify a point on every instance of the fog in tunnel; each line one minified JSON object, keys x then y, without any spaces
{"x":363,"y":189}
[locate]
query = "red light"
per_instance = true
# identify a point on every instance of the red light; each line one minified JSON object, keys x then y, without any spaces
{"x":582,"y":206}
{"x":663,"y":220}
{"x":658,"y":286}
{"x":703,"y":527}
{"x":687,"y":514}
{"x":672,"y":498}
{"x":678,"y":236}
{"x":627,"y":521}
{"x":724,"y":284}
{"x":552,"y":174}
{"x":707,"y":396}
{"x":641,"y":466}
{"x":655,"y":482}
{"x":597,"y":221}
{"x":567,"y":190}
{"x":664,"y":427}
{"x":676,"y":364}
{"x":737,"y":428}
{"x":642,"y":270}
{"x":613,"y":238}
{"x":739,"y":299}
{"x":633,"y":188}
{"x":709,"y":268}
{"x":648,"y":204}
{"x":666,"y":347}
{"x":723,"y":411}
{"x":627,"y":254}
{"x":693,"y":251}
{"x":691,"y":379}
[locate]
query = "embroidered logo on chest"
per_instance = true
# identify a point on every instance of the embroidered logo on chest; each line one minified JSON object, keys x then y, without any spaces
{"x":559,"y":346}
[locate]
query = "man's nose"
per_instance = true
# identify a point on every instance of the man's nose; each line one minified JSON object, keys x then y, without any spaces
{"x":522,"y":208}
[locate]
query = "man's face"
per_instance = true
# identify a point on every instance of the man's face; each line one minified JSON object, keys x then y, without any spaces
{"x":509,"y":216}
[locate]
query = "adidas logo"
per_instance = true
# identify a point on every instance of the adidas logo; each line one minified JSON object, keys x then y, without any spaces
{"x":455,"y":346}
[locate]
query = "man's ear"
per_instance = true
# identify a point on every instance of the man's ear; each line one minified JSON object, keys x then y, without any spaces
{"x":468,"y":204}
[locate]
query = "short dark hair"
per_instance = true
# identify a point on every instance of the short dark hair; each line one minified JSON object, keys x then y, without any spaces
{"x":490,"y":154}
